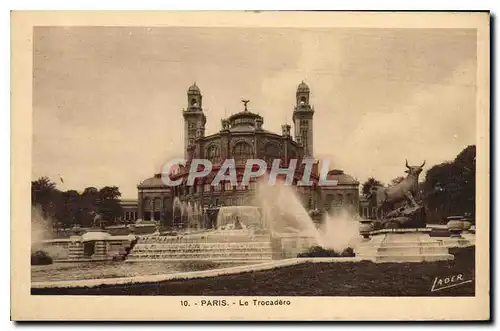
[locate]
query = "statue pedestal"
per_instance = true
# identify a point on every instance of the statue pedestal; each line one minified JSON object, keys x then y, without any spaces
{"x":402,"y":245}
{"x":99,"y":239}
{"x":461,"y":241}
{"x":75,"y":248}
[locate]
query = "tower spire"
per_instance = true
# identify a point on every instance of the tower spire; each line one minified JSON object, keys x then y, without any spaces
{"x":303,"y":118}
{"x":194,"y":118}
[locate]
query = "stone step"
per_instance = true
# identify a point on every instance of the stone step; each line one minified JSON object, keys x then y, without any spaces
{"x":222,"y":253}
{"x":404,"y":243}
{"x":253,"y":261}
{"x":202,"y":255}
{"x":205,"y":240}
{"x":436,"y":245}
{"x":407,"y":258}
{"x":251,"y":245}
{"x":450,"y":242}
{"x":402,"y":250}
{"x":167,"y":248}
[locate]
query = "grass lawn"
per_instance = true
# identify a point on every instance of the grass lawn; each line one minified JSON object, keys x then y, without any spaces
{"x":312,"y":279}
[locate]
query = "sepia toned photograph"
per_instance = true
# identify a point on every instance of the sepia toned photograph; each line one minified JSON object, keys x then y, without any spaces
{"x":226,"y":165}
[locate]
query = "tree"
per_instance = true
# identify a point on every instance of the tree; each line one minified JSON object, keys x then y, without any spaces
{"x":41,"y":190}
{"x":72,"y":204}
{"x":70,"y":207}
{"x":109,"y":203}
{"x":450,"y":187}
{"x":44,"y":193}
{"x":369,"y":184}
{"x":89,"y":205}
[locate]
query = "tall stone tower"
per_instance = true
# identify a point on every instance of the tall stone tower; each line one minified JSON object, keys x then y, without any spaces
{"x":303,"y":119}
{"x":194,"y":118}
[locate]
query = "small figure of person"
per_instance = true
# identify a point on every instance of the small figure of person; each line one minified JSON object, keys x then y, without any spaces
{"x":237,"y":224}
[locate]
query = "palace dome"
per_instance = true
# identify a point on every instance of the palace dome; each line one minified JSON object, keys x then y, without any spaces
{"x":244,"y":121}
{"x":245,"y":114}
{"x":341,"y":177}
{"x":155,"y":181}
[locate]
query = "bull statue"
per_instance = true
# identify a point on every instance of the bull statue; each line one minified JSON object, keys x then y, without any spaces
{"x":404,"y":190}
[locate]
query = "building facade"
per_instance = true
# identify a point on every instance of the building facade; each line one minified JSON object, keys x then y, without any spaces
{"x":368,"y":207}
{"x":129,"y":211}
{"x":344,"y":195}
{"x":242,"y":136}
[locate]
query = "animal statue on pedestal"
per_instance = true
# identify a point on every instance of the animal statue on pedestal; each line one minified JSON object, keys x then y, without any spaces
{"x":404,"y":190}
{"x":397,"y":203}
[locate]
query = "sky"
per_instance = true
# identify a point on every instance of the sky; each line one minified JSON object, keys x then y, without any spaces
{"x":107,"y":101}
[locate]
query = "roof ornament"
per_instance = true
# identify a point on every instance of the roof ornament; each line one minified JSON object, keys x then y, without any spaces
{"x":245,"y":103}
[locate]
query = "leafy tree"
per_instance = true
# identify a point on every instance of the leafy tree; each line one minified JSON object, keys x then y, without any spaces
{"x":70,"y":207}
{"x":369,"y":184}
{"x":89,"y":205}
{"x":109,"y":203}
{"x":450,"y":187}
{"x":43,"y":192}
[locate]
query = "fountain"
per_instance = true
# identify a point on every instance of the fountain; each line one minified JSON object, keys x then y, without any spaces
{"x":285,"y":214}
{"x":400,"y":234}
{"x":340,"y":231}
{"x":291,"y":224}
{"x":196,"y":216}
{"x":277,"y":225}
{"x":233,"y":239}
{"x":188,"y":214}
{"x":239,"y":218}
{"x":180,"y":207}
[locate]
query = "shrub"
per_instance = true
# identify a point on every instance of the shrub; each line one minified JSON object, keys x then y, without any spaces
{"x":348,"y":252}
{"x":318,"y":251}
{"x":40,"y":258}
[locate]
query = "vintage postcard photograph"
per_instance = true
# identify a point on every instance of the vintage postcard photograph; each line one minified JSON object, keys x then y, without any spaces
{"x":250,"y":166}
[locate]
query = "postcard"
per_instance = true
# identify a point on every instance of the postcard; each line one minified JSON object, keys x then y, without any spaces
{"x":322,"y":166}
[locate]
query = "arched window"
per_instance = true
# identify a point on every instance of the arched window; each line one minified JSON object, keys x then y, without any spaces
{"x":228,"y":187}
{"x":292,"y":155}
{"x":329,"y":199}
{"x":271,"y":152}
{"x":213,"y":154}
{"x":146,"y":203}
{"x":157,"y":204}
{"x":242,"y":151}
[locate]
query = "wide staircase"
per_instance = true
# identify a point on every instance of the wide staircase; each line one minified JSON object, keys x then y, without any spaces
{"x":209,"y":248}
{"x":400,"y":245}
